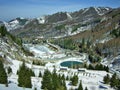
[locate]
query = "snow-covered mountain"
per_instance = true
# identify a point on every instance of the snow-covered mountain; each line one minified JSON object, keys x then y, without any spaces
{"x":16,"y":23}
{"x":52,"y":25}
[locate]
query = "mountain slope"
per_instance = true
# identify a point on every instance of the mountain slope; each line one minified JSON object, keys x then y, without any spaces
{"x":15,"y":23}
{"x":10,"y":46}
{"x":60,"y":24}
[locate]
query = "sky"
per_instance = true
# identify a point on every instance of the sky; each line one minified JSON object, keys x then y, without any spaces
{"x":11,"y":9}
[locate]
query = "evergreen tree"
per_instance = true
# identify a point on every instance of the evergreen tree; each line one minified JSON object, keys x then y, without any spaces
{"x":40,"y":74}
{"x":35,"y":88}
{"x":64,"y":85}
{"x":67,"y":78}
{"x":118,"y":86}
{"x":106,"y":79}
{"x":114,"y":81}
{"x":80,"y":86}
{"x":90,"y":67}
{"x":24,"y":79}
{"x":55,"y":80}
{"x":52,"y":81}
{"x":47,"y":80}
{"x":3,"y":75}
{"x":106,"y":68}
{"x":74,"y":80}
{"x":9,"y":70}
{"x":86,"y":88}
{"x":3,"y":31}
{"x":63,"y":77}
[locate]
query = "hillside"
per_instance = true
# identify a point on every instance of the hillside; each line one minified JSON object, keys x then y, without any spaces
{"x":62,"y":51}
{"x":11,"y":47}
{"x":57,"y":25}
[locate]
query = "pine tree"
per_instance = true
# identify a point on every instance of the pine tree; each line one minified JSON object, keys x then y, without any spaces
{"x":118,"y":86}
{"x":106,"y":79}
{"x":64,"y":85}
{"x":67,"y":78}
{"x":40,"y":74}
{"x":86,"y":88}
{"x":24,"y":79}
{"x":55,"y":80}
{"x":80,"y":86}
{"x":63,"y":77}
{"x":74,"y":80}
{"x":90,"y":67}
{"x":47,"y":80}
{"x":35,"y":88}
{"x":114,"y":82}
{"x":9,"y":70}
{"x":3,"y":75}
{"x":3,"y":31}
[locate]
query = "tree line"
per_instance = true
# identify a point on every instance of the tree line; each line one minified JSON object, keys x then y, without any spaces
{"x":113,"y":81}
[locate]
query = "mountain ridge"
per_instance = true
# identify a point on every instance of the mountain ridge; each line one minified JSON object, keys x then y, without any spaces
{"x":40,"y":26}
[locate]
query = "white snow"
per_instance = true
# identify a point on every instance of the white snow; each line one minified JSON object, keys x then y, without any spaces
{"x":107,"y":8}
{"x":42,"y":51}
{"x":90,"y":78}
{"x":12,"y":87}
{"x":105,"y":40}
{"x":15,"y":66}
{"x":41,"y":20}
{"x":85,"y":10}
{"x":81,"y":29}
{"x":69,"y":16}
{"x":14,"y":22}
{"x":98,"y":11}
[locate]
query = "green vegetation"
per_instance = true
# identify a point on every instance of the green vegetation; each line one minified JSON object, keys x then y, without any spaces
{"x":37,"y":62}
{"x":80,"y":87}
{"x":9,"y":70}
{"x":97,"y":67}
{"x":3,"y":74}
{"x":113,"y":81}
{"x":22,"y":21}
{"x":60,"y":27}
{"x":106,"y":79}
{"x":4,"y":32}
{"x":65,"y":43}
{"x":115,"y":32}
{"x":86,"y":88}
{"x":52,"y":81}
{"x":75,"y":27}
{"x":86,"y":47}
{"x":24,"y":76}
{"x":40,"y":74}
{"x":94,"y":58}
{"x":74,"y":80}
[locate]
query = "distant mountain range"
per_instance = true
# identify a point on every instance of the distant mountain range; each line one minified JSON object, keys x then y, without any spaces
{"x":60,"y":24}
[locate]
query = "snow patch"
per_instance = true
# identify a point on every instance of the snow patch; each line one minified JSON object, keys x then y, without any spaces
{"x":41,"y":20}
{"x":69,"y":16}
{"x":85,"y":10}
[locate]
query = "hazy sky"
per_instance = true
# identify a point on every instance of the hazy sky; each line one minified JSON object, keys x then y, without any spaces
{"x":10,"y":9}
